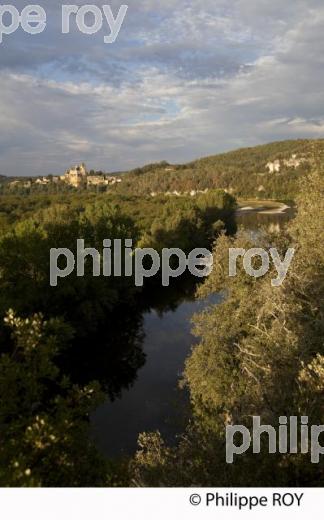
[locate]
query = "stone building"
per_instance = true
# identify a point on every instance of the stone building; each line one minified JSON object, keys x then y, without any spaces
{"x":96,"y":180}
{"x":79,"y":177}
{"x":43,"y":181}
{"x":273,"y":167}
{"x":76,"y":176}
{"x":293,"y":162}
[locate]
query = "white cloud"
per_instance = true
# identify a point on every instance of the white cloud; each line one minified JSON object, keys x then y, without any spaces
{"x":185,"y":79}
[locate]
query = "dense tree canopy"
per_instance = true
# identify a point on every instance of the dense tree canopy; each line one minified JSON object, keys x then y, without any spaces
{"x":261,"y":353}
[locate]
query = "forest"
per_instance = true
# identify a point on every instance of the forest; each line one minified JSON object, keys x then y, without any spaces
{"x":242,"y":173}
{"x":64,"y":349}
{"x":259,"y":353}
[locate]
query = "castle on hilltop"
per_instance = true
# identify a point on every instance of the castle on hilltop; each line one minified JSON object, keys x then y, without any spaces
{"x":76,"y":176}
{"x":79,"y":177}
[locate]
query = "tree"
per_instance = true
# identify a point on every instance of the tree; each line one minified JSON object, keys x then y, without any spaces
{"x":259,"y":353}
{"x":43,"y":417}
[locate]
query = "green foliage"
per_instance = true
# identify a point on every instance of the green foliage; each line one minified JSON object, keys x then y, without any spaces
{"x":241,"y":172}
{"x":25,"y":264}
{"x":44,"y":418}
{"x":260,"y":353}
{"x":53,"y":373}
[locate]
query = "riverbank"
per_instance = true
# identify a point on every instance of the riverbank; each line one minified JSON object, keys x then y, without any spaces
{"x":266,"y":207}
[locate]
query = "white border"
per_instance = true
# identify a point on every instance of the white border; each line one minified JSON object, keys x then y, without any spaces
{"x":150,"y":504}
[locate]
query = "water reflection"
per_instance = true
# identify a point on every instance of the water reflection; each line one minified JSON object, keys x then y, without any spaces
{"x":112,"y":355}
{"x":270,"y":221}
{"x":155,"y":402}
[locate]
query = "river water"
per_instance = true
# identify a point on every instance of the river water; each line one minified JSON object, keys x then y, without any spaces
{"x":154,"y":400}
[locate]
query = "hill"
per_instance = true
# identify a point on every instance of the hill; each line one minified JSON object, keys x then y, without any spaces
{"x":266,"y":171}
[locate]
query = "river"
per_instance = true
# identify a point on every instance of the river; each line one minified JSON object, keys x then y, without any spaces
{"x":154,"y":401}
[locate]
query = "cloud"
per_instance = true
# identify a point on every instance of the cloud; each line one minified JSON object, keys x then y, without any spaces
{"x":183,"y":80}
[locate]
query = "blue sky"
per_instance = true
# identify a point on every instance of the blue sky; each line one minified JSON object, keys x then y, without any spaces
{"x":184,"y":79}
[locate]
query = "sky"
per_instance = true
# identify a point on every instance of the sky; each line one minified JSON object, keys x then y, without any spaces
{"x":184,"y":79}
